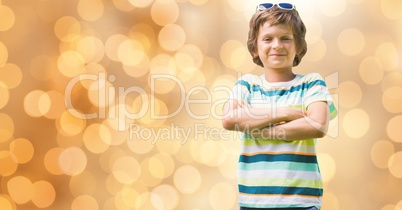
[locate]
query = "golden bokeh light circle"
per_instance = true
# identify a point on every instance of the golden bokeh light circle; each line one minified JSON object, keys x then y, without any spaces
{"x":91,"y":48}
{"x":187,"y":179}
{"x":69,"y":124}
{"x":20,"y":189}
{"x":126,"y":170}
{"x":141,"y":3}
{"x":72,"y":161}
{"x":392,"y":99}
{"x":388,"y":55}
{"x":10,"y":75}
{"x":395,"y":164}
{"x":57,"y":107}
{"x":161,"y":165}
{"x":165,"y":197}
{"x":356,"y":123}
{"x":233,"y":53}
{"x":315,"y":30}
{"x":332,"y":8}
{"x":371,"y":70}
{"x":172,"y":37}
{"x":22,"y":150}
{"x":86,"y":202}
{"x":7,"y":18}
{"x":228,"y":168}
{"x":6,"y":202}
{"x":165,"y":12}
{"x":6,"y":127}
{"x":391,"y":9}
{"x":351,"y":41}
{"x":381,"y":151}
{"x":71,"y":63}
{"x":327,"y":167}
{"x":5,"y":95}
{"x":90,"y":10}
{"x":394,"y":128}
{"x":350,"y":94}
{"x":51,"y":165}
{"x":97,"y":138}
{"x":8,"y":165}
{"x":44,"y":194}
{"x":37,"y":103}
{"x":3,"y":54}
{"x":130,"y":52}
{"x":390,"y":80}
{"x":217,"y":201}
{"x":67,"y":28}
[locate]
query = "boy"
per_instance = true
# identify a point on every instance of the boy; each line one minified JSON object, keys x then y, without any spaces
{"x":281,"y":114}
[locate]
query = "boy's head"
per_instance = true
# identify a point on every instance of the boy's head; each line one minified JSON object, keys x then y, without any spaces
{"x":275,"y":16}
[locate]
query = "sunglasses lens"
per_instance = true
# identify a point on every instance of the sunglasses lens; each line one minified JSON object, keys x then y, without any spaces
{"x":285,"y":6}
{"x":265,"y":6}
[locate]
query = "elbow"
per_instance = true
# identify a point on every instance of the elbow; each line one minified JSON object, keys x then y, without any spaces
{"x":321,"y":131}
{"x":228,"y":124}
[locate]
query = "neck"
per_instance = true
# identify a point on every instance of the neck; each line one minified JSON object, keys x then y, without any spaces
{"x":272,"y":75}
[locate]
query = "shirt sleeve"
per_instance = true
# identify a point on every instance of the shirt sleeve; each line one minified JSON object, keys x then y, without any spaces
{"x":317,"y":91}
{"x":241,"y":90}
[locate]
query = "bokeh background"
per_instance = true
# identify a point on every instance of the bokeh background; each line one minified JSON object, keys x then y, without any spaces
{"x":90,"y":118}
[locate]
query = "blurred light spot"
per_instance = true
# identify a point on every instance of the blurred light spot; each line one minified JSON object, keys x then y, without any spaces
{"x":330,"y":201}
{"x":356,"y":1}
{"x":388,"y":55}
{"x":332,"y":8}
{"x":381,"y":151}
{"x":91,"y":48}
{"x":138,"y":70}
{"x":126,"y":170}
{"x":101,"y":93}
{"x":170,"y":147}
{"x":161,"y":165}
{"x":97,"y":138}
{"x":146,"y":175}
{"x":8,"y":165}
{"x":6,"y":203}
{"x":141,"y":3}
{"x":350,"y":94}
{"x":7,"y":18}
{"x":371,"y":71}
{"x":356,"y":123}
{"x":212,"y":153}
{"x":172,"y":37}
{"x":20,"y":189}
{"x":5,"y":95}
{"x":327,"y":167}
{"x":140,"y":146}
{"x":228,"y":168}
{"x":314,"y":30}
{"x":3,"y":54}
{"x":316,"y":51}
{"x":391,"y":79}
{"x":90,"y":10}
{"x":394,"y":130}
{"x":67,"y":28}
{"x":390,"y":207}
{"x":126,"y":198}
{"x":21,"y":150}
{"x":229,"y":54}
{"x":10,"y":75}
{"x":395,"y":165}
{"x":165,"y":197}
{"x":198,"y":2}
{"x":72,"y":161}
{"x":188,"y":58}
{"x":37,"y":103}
{"x":130,"y":52}
{"x":117,"y":137}
{"x":144,"y":34}
{"x":42,"y":68}
{"x":71,"y":63}
{"x":218,"y":201}
{"x":123,"y":5}
{"x":351,"y":41}
{"x":57,"y":105}
{"x":6,"y":127}
{"x":51,"y":165}
{"x":164,"y":12}
{"x":43,"y":194}
{"x":392,"y":99}
{"x":69,"y":125}
{"x":112,"y":46}
{"x":391,"y":9}
{"x":86,"y":202}
{"x":187,"y":179}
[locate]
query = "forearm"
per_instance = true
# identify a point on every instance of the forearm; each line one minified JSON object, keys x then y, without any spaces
{"x":243,"y":119}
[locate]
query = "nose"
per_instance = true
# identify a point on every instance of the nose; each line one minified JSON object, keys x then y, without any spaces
{"x":276,"y":44}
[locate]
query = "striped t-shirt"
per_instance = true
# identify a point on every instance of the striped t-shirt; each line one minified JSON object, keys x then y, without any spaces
{"x":276,"y":173}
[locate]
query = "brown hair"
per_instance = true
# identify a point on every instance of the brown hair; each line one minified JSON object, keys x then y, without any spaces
{"x":276,"y":16}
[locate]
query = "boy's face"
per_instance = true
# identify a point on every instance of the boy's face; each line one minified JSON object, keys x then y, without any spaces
{"x":276,"y":46}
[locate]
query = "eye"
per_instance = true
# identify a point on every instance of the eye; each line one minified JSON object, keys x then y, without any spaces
{"x":286,"y":38}
{"x":267,"y":39}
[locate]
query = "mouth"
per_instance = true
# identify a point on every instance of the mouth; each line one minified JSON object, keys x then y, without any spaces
{"x":277,"y":55}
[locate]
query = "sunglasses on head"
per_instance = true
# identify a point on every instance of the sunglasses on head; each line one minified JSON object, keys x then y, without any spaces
{"x":284,"y":6}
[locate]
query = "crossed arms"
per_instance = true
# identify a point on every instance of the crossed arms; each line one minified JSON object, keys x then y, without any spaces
{"x":293,"y":123}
